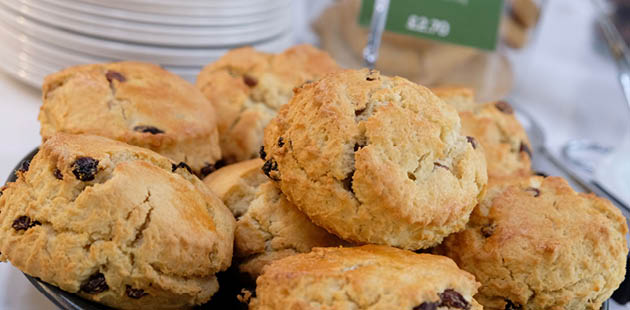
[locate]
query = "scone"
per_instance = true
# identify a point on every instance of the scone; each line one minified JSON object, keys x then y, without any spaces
{"x":236,"y":184}
{"x":367,"y":277}
{"x":493,"y":124}
{"x":375,"y":159}
{"x":247,"y":87}
{"x":136,"y":103}
{"x":117,"y":224}
{"x":534,"y":243}
{"x":462,"y":98}
{"x":268,"y":226}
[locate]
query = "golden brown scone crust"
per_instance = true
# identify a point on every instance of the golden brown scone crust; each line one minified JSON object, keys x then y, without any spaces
{"x":368,"y":278}
{"x":236,"y":184}
{"x":268,"y":226}
{"x":495,"y":127}
{"x":462,"y":98}
{"x":273,"y":228}
{"x":507,"y":148}
{"x":138,"y":224}
{"x":536,"y":243}
{"x":375,"y":159}
{"x":136,"y":103}
{"x":247,"y":87}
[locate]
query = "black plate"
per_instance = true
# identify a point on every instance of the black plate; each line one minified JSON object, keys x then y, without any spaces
{"x":230,"y":281}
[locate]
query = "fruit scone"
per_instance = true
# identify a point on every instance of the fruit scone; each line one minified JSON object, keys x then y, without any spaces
{"x":137,"y":103}
{"x":268,"y":226}
{"x":247,"y":87}
{"x":117,"y":224}
{"x":495,"y":127}
{"x":368,"y":277}
{"x":534,"y":243}
{"x":375,"y":159}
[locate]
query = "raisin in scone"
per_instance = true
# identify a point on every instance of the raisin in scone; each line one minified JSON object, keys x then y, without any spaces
{"x":375,"y":159}
{"x":268,"y":226}
{"x":534,"y":243}
{"x":367,"y":277}
{"x":247,"y":87}
{"x":494,"y":125}
{"x":117,"y":224}
{"x":137,"y":103}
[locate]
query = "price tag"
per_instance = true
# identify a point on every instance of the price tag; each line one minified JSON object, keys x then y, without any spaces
{"x":472,"y":23}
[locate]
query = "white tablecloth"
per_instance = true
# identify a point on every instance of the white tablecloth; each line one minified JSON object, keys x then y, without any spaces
{"x":19,"y":106}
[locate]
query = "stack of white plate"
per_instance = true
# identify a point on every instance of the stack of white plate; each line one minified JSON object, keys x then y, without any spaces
{"x":39,"y":37}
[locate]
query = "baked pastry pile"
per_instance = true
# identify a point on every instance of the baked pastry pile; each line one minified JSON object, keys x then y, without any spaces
{"x":357,"y":171}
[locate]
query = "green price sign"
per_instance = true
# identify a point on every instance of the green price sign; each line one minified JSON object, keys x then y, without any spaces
{"x":464,"y":22}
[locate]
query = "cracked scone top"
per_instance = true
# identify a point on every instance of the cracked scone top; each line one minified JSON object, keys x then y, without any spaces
{"x":247,"y":87}
{"x":494,"y":125}
{"x":268,"y":226}
{"x":375,"y":159}
{"x":368,"y":277}
{"x":117,"y":224}
{"x":136,"y":103}
{"x":534,"y":243}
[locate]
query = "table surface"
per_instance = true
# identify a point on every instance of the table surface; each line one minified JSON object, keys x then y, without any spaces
{"x":565,"y":78}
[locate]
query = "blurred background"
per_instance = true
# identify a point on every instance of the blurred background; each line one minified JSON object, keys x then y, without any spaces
{"x":552,"y":61}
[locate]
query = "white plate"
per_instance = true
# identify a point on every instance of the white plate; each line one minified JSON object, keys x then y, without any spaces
{"x":210,"y":37}
{"x":150,"y":19}
{"x":183,"y":8}
{"x":119,"y":50}
{"x":24,"y":67}
{"x":61,"y":58}
{"x":240,"y":7}
{"x":58,"y":57}
{"x":48,"y":53}
{"x":45,"y":59}
{"x":210,"y":3}
{"x":49,"y":59}
{"x":204,"y":19}
{"x":186,"y":3}
{"x":19,"y":68}
{"x":32,"y":69}
{"x":153,"y":19}
{"x":26,"y":6}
